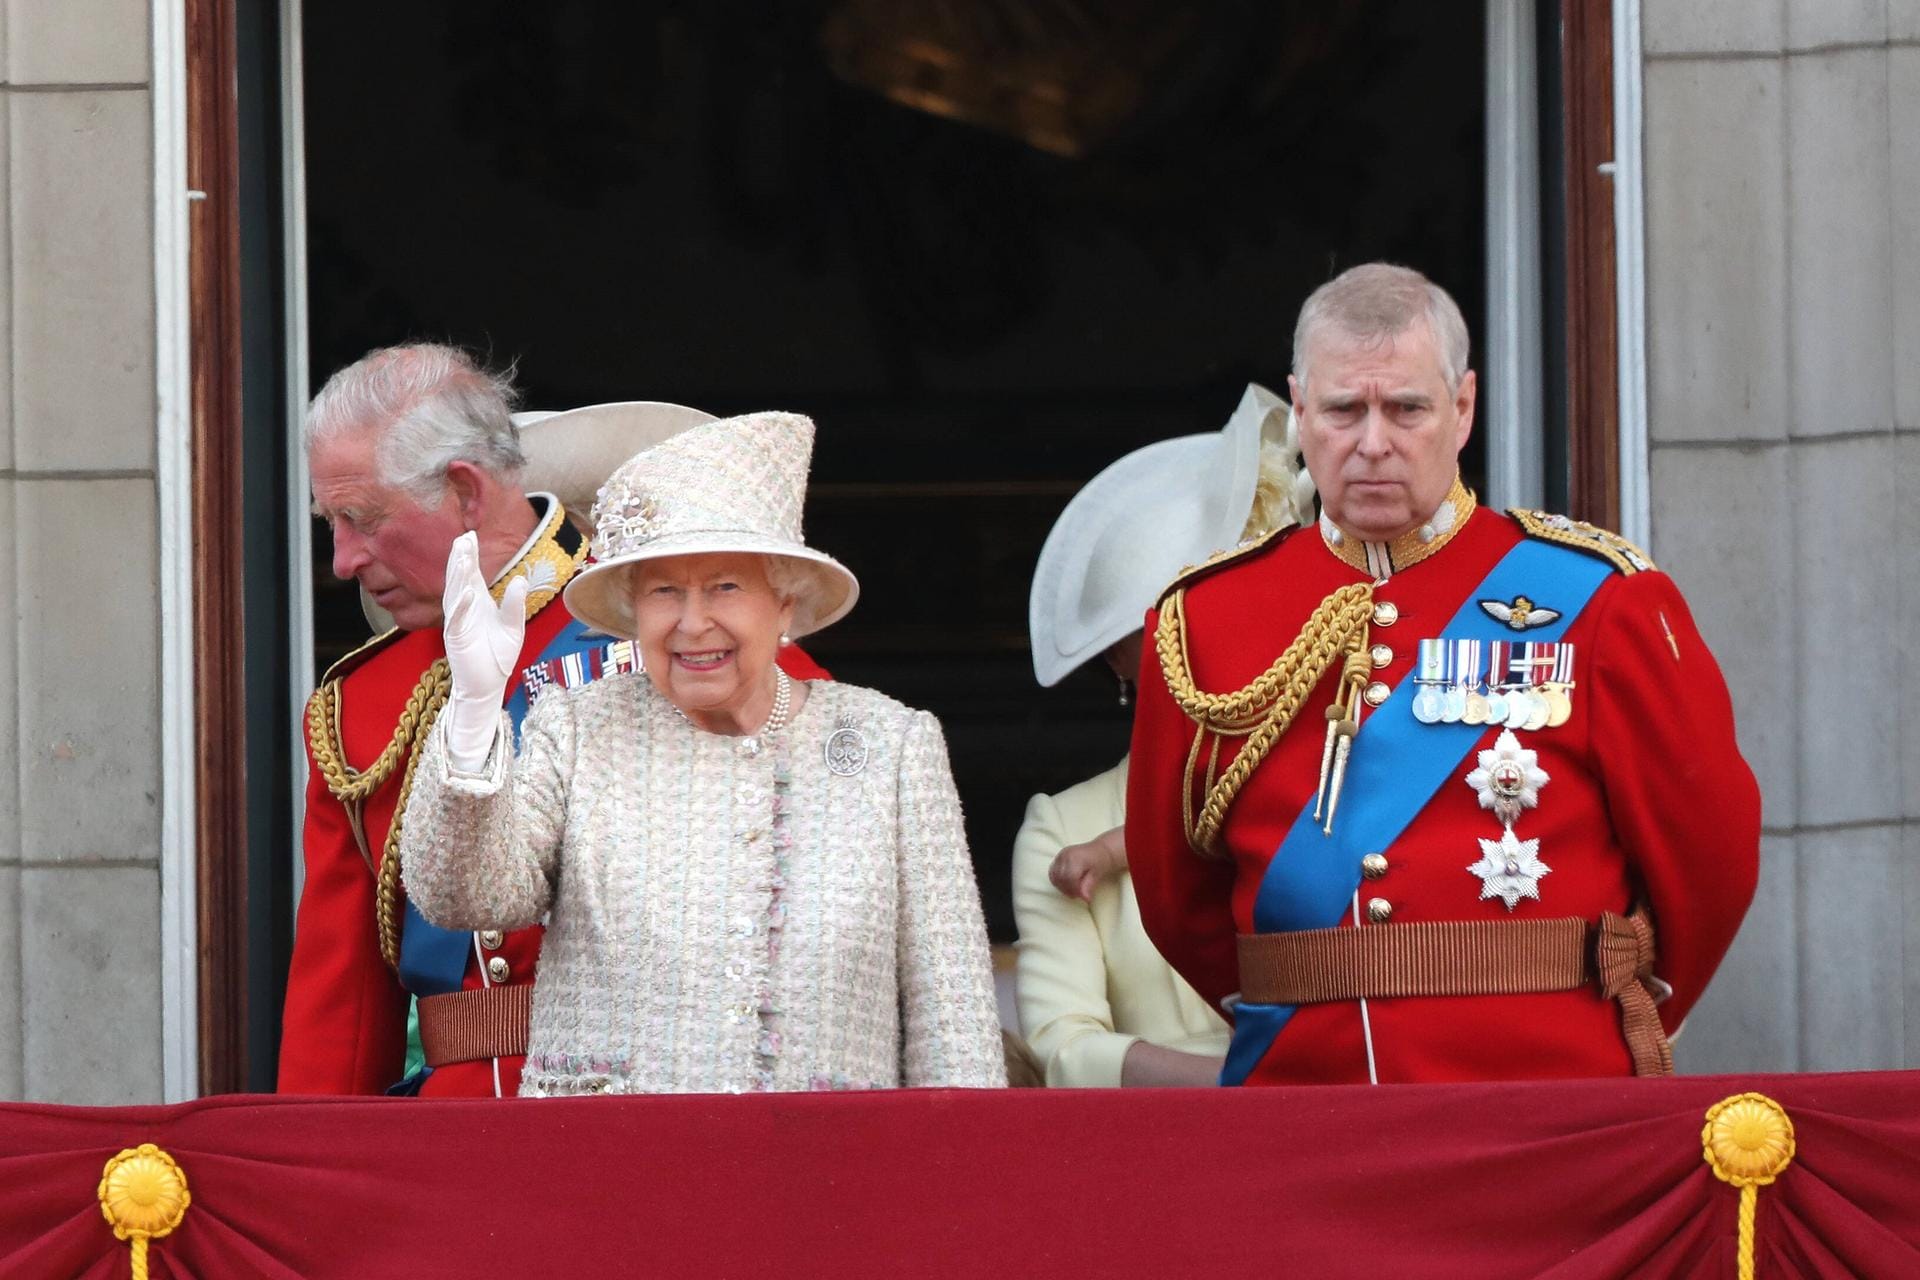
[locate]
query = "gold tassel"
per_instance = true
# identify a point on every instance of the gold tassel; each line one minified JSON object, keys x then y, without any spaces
{"x":143,"y":1196}
{"x":1747,"y":1142}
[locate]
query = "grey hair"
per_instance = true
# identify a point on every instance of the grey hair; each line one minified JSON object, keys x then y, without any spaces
{"x":788,"y":577}
{"x":431,"y":405}
{"x":1377,"y":301}
{"x":797,"y":581}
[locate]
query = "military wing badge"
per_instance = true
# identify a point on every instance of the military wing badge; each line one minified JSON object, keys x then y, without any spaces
{"x":1521,"y":615}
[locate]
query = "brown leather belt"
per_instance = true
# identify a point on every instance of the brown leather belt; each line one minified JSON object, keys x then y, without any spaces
{"x":486,"y":1022}
{"x":1467,"y":958}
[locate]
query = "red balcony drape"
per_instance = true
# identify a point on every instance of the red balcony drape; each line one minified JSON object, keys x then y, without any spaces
{"x":1565,"y":1179}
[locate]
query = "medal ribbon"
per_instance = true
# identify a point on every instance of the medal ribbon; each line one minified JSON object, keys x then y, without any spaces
{"x":1396,"y":767}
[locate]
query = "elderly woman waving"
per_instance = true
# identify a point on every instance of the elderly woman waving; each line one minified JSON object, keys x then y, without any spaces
{"x":752,"y":882}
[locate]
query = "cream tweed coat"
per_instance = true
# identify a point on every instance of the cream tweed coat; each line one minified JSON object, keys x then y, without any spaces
{"x":719,"y":921}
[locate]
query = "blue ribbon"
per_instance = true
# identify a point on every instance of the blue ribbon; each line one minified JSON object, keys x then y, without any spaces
{"x":1396,"y":766}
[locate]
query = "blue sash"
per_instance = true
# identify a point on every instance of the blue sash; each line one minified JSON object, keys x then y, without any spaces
{"x":1396,"y":767}
{"x":433,"y":961}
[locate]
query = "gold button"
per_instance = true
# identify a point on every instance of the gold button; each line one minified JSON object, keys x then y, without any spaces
{"x":490,"y":939}
{"x":1379,"y":910}
{"x":498,"y":968}
{"x":1382,"y":656}
{"x":1373,"y":866}
{"x":1377,"y":693}
{"x":1385,"y":613}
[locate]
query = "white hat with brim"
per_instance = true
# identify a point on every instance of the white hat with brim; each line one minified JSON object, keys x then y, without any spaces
{"x":571,"y":452}
{"x":1132,"y":529}
{"x":736,"y":485}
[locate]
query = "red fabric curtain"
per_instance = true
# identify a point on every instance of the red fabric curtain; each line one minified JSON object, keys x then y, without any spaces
{"x":1560,"y":1179}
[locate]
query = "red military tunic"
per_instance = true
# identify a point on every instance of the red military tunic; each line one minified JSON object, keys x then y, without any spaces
{"x":344,"y":1028}
{"x":345,"y":1025}
{"x":1648,"y":800}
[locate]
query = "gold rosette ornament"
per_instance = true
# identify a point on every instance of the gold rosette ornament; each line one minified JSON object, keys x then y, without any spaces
{"x":1747,"y":1142}
{"x":143,"y":1196}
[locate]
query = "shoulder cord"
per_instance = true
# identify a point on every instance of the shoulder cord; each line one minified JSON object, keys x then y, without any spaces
{"x":346,"y":783}
{"x":351,"y":787}
{"x":1260,"y":711}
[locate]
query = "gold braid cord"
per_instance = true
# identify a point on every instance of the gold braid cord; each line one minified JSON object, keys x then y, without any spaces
{"x":347,"y":784}
{"x":386,"y":908}
{"x":1260,"y":711}
{"x":351,"y":787}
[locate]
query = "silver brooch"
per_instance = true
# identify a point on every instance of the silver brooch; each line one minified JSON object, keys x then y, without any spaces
{"x":1510,"y":869}
{"x":846,"y":750}
{"x":1509,"y":778}
{"x":1508,"y":781}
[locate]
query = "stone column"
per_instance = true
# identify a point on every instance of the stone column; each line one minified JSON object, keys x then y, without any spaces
{"x":1783,"y":348}
{"x":79,"y":702}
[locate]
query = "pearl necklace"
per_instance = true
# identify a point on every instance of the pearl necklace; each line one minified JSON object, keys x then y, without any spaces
{"x":782,"y":705}
{"x":750,"y":744}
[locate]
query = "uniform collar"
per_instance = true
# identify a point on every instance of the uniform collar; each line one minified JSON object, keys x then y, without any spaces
{"x":1381,"y":560}
{"x":549,"y":557}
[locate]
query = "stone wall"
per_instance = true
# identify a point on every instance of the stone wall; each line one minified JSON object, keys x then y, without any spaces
{"x":1783,"y":347}
{"x":1783,"y":303}
{"x":79,"y":669}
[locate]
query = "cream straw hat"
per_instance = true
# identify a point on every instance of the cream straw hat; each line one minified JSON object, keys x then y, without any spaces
{"x":571,"y":453}
{"x":1133,"y":527}
{"x":737,"y":484}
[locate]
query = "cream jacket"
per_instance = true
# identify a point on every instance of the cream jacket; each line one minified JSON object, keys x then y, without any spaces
{"x":720,"y":920}
{"x":1089,"y":981}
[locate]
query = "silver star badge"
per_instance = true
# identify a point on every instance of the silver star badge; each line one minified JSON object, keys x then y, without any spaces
{"x":1510,"y":869}
{"x":1509,"y":778}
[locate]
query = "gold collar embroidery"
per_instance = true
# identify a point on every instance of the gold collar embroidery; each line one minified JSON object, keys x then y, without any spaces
{"x":545,"y":563}
{"x":1381,"y":560}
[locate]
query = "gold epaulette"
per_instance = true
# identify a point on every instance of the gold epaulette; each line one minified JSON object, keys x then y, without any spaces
{"x":1581,"y":536}
{"x":1221,"y":559}
{"x":354,"y":660}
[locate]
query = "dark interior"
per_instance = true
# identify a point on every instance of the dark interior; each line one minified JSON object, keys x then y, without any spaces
{"x":988,"y":247}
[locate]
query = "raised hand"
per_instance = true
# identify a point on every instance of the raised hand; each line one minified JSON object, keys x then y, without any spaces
{"x":483,"y":643}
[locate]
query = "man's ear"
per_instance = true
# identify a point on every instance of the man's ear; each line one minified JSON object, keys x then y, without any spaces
{"x":468,"y":485}
{"x":1463,"y":401}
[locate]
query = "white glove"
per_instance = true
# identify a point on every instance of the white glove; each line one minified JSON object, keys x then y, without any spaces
{"x":483,"y":642}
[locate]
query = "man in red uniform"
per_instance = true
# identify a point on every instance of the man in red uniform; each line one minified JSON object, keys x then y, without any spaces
{"x":1429,"y":792}
{"x":409,"y":448}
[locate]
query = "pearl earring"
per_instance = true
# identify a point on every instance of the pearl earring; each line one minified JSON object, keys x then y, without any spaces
{"x":785,"y":639}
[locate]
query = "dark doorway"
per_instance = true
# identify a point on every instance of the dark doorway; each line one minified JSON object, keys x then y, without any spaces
{"x":1088,"y":229}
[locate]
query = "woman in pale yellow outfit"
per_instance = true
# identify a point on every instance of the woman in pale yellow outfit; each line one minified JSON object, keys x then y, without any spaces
{"x":1097,"y":1004}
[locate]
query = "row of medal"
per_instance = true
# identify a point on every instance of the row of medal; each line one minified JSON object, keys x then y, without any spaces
{"x":581,"y":667}
{"x":1520,"y":684}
